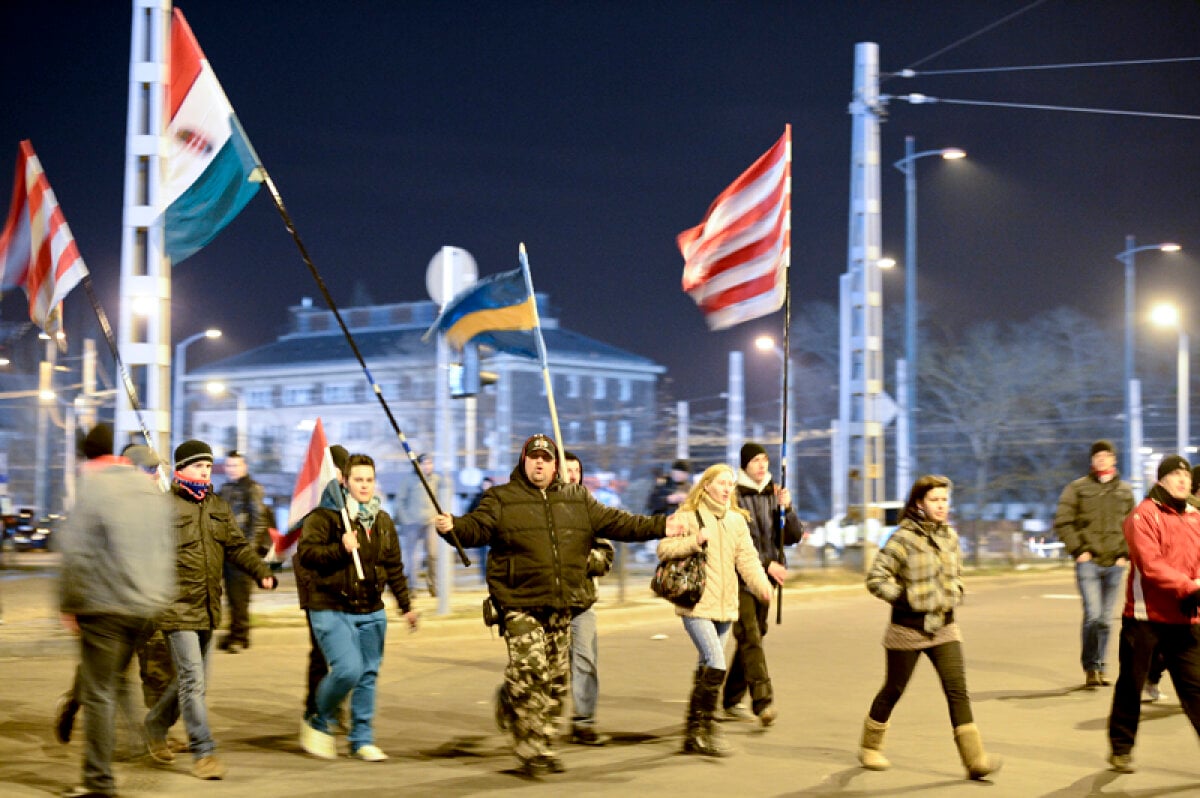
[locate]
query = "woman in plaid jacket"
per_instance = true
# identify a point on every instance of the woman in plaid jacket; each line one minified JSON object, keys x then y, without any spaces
{"x":918,"y":572}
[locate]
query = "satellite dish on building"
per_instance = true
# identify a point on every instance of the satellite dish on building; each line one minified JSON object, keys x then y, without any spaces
{"x":450,"y":271}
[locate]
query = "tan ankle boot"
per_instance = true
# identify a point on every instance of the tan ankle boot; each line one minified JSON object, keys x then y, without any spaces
{"x":870,"y":751}
{"x":970,"y":750}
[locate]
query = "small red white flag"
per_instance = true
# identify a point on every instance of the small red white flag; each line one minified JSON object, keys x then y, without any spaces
{"x":315,"y":474}
{"x":37,"y":251}
{"x":735,"y":261}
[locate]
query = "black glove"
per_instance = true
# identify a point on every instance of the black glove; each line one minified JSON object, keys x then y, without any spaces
{"x":1190,"y":605}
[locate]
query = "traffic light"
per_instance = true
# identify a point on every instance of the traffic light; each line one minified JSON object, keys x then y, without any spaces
{"x":465,"y":378}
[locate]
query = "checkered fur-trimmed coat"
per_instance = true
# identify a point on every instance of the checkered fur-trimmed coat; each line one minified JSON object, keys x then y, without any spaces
{"x":919,"y":568}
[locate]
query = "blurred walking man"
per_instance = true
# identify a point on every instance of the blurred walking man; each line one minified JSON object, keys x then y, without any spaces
{"x":245,"y":498}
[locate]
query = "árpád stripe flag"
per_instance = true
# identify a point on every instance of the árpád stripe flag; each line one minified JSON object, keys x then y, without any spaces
{"x":37,"y":251}
{"x":210,"y":163}
{"x":315,"y":474}
{"x":735,"y":261}
{"x":496,"y":303}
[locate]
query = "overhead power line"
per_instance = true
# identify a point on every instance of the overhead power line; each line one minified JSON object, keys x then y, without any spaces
{"x":977,"y":33}
{"x":921,"y":99}
{"x":911,"y":73}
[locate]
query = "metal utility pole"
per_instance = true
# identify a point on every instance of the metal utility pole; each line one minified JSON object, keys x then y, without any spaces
{"x":736,"y":420}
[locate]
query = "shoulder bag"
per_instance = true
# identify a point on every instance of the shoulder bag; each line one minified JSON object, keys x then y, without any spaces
{"x":680,"y":580}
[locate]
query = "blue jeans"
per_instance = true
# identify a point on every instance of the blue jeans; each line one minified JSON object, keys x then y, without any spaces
{"x":709,"y":638}
{"x":1098,"y":586}
{"x":185,"y":694}
{"x":585,"y":680}
{"x":353,"y":647}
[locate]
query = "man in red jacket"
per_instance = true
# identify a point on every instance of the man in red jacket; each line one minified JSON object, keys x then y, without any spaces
{"x":1161,"y":605}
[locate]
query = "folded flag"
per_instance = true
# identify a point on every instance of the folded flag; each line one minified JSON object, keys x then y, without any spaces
{"x":315,"y":474}
{"x":37,"y":251}
{"x":496,"y":304}
{"x":735,"y":260}
{"x":211,"y":167}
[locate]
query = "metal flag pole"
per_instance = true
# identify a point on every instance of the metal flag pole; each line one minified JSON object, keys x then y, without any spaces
{"x":541,"y":349}
{"x":412,"y":457}
{"x":781,"y":517}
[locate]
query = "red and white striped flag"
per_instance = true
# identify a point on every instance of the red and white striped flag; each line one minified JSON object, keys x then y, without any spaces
{"x":735,"y":261}
{"x":37,"y":250}
{"x":316,"y":473}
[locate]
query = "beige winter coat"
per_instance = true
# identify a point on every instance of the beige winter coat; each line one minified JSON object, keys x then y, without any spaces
{"x":730,"y":552}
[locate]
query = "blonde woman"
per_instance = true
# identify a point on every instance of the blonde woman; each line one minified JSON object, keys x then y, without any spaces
{"x":719,"y":530}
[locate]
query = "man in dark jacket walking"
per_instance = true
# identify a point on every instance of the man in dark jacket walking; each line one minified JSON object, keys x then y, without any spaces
{"x":758,"y":495}
{"x":1088,"y":521}
{"x":245,"y":498}
{"x":541,"y":531}
{"x":205,"y":537}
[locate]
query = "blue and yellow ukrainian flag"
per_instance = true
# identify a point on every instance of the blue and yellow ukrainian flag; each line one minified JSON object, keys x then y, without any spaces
{"x":495,"y":303}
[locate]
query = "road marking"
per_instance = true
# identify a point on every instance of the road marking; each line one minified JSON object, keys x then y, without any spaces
{"x":1071,"y":596}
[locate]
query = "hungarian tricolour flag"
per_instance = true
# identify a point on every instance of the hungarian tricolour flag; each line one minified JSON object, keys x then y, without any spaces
{"x":315,"y":475}
{"x":37,"y":250}
{"x":735,"y":261}
{"x":210,"y":163}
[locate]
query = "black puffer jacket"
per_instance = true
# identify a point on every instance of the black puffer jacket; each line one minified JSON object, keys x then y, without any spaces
{"x":540,"y":541}
{"x":205,"y":538}
{"x":1090,"y":518}
{"x":333,"y":580}
{"x":764,"y":513}
{"x":250,"y":512}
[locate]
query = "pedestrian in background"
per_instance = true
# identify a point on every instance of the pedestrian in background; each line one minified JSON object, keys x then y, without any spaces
{"x":205,"y":538}
{"x":717,"y":526}
{"x":918,"y":572}
{"x":762,"y":499}
{"x":117,"y":574}
{"x":250,"y":514}
{"x":415,"y":513}
{"x":1088,"y":521}
{"x":1162,"y":605}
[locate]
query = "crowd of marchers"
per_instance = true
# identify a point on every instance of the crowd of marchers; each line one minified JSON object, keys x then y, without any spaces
{"x":144,"y":570}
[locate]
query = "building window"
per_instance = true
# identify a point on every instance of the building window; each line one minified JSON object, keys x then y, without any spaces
{"x":600,"y":388}
{"x":626,"y":389}
{"x":259,"y":397}
{"x":358,"y":430}
{"x":338,"y":393}
{"x":601,"y":432}
{"x":298,"y":396}
{"x":624,"y":433}
{"x":573,"y":428}
{"x":391,"y":391}
{"x":573,"y":386}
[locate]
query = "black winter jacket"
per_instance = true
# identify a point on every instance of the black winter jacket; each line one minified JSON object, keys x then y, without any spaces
{"x":206,"y":538}
{"x":333,"y":580}
{"x":250,"y":513}
{"x":764,"y":513}
{"x":541,"y":540}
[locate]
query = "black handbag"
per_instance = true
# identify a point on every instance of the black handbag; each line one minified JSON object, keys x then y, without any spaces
{"x":680,"y":580}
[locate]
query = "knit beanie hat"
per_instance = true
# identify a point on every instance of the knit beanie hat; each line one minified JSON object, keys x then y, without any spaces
{"x":192,"y":451}
{"x":750,"y":451}
{"x":682,"y":465}
{"x":1173,"y":462}
{"x":99,"y":441}
{"x":141,"y":456}
{"x":1102,"y":446}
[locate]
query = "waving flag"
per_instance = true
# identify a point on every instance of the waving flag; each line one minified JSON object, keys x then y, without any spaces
{"x":497,"y":303}
{"x":316,"y":472}
{"x":210,"y":163}
{"x":37,"y":250}
{"x":735,"y":260}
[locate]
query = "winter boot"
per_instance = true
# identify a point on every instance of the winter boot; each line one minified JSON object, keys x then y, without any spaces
{"x":712,"y":743}
{"x":870,"y":750}
{"x":693,"y":725}
{"x":970,"y":750}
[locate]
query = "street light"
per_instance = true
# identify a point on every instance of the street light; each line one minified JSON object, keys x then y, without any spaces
{"x":221,"y":389}
{"x":1132,"y":458}
{"x":906,"y":461}
{"x":1170,"y":316}
{"x":177,"y":392}
{"x":765,"y":343}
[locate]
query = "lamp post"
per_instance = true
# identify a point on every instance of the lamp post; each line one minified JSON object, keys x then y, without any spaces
{"x":1170,"y":316}
{"x":1132,"y":459}
{"x":221,"y":389}
{"x":177,"y":383}
{"x":906,"y":461}
{"x":765,"y":343}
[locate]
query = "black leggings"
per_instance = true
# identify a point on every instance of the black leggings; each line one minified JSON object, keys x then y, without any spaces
{"x":947,"y":659}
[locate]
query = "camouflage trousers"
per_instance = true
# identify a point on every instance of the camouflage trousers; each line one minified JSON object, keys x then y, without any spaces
{"x":155,"y":668}
{"x":537,"y":678}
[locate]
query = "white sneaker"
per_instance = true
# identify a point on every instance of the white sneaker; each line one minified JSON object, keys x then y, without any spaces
{"x":370,"y":753}
{"x":1151,"y":693}
{"x":317,"y":743}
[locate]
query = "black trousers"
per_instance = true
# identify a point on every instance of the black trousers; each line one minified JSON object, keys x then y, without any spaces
{"x":1179,"y":647}
{"x":947,"y":659}
{"x":748,"y":668}
{"x":238,"y":585}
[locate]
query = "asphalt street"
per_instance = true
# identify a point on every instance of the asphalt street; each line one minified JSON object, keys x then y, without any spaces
{"x":435,"y":719}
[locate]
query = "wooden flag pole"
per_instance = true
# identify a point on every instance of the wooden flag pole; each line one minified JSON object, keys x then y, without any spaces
{"x":541,"y":350}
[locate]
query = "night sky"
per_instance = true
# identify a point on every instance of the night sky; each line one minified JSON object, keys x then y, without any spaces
{"x":596,"y":131}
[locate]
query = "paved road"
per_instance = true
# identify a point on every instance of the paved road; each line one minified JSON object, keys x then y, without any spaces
{"x":434,"y":717}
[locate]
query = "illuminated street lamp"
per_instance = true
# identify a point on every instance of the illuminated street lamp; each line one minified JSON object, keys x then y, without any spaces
{"x":1169,"y":316}
{"x":177,"y":384}
{"x":906,"y":460}
{"x":1133,"y":442}
{"x":221,"y":389}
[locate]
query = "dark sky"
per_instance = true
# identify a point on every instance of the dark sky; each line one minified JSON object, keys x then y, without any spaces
{"x":596,"y":131}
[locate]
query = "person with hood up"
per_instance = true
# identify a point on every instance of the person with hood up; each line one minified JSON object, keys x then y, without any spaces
{"x":541,"y":531}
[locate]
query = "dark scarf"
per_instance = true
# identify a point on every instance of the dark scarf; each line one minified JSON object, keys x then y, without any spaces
{"x":192,"y":490}
{"x":1159,"y":494}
